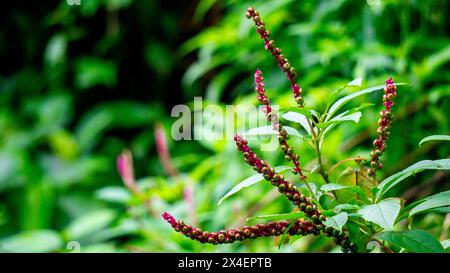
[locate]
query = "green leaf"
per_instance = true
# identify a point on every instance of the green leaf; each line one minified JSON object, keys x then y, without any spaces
{"x":393,"y":180}
{"x":268,"y":130}
{"x":355,"y":82}
{"x":113,"y":194}
{"x":357,"y":181}
{"x":286,"y":232}
{"x":339,"y":119}
{"x":418,"y":241}
{"x":333,"y":187}
{"x":349,"y":115}
{"x":55,"y":52}
{"x":342,"y":101}
{"x":337,"y":221}
{"x":249,"y":181}
{"x":438,"y":200}
{"x":327,"y":202}
{"x":121,"y":114}
{"x":89,"y":224}
{"x":298,"y":118}
{"x":383,"y":213}
{"x":333,"y":96}
{"x":445,"y":244}
{"x":434,"y":138}
{"x":279,"y":216}
{"x":94,"y":71}
{"x":303,"y":111}
{"x":36,"y":241}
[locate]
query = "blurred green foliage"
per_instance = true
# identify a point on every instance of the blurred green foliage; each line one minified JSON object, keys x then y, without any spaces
{"x":80,"y":83}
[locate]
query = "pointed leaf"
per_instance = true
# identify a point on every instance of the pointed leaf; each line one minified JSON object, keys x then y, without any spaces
{"x":279,"y":216}
{"x":339,"y":119}
{"x":342,"y":101}
{"x":249,"y":181}
{"x":434,"y":138}
{"x":438,"y":200}
{"x":355,"y":82}
{"x":298,"y":118}
{"x":286,"y":232}
{"x":445,"y":244}
{"x":391,"y":181}
{"x":337,"y":221}
{"x":333,"y":187}
{"x":418,"y":241}
{"x":89,"y":224}
{"x":32,"y":241}
{"x":383,"y":213}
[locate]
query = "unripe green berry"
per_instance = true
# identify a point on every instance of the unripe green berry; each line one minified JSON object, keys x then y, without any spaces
{"x":308,"y":208}
{"x":302,"y":206}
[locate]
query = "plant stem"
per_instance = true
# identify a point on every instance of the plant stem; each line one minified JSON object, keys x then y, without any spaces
{"x":322,"y":171}
{"x":313,"y":195}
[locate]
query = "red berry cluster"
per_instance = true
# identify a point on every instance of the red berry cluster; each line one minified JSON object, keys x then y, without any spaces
{"x":261,"y":91}
{"x":278,"y":180}
{"x":289,"y":153}
{"x":384,"y":127}
{"x":300,"y":227}
{"x":276,"y":52}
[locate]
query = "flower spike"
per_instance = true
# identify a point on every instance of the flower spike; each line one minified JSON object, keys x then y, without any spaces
{"x":300,"y":227}
{"x":290,"y":191}
{"x":289,"y":153}
{"x":384,"y":127}
{"x":276,"y":52}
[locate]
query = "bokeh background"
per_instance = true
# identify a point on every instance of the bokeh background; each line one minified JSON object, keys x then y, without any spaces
{"x":80,"y":83}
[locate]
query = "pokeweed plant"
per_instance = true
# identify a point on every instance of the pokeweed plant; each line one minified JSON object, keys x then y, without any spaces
{"x":360,"y":218}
